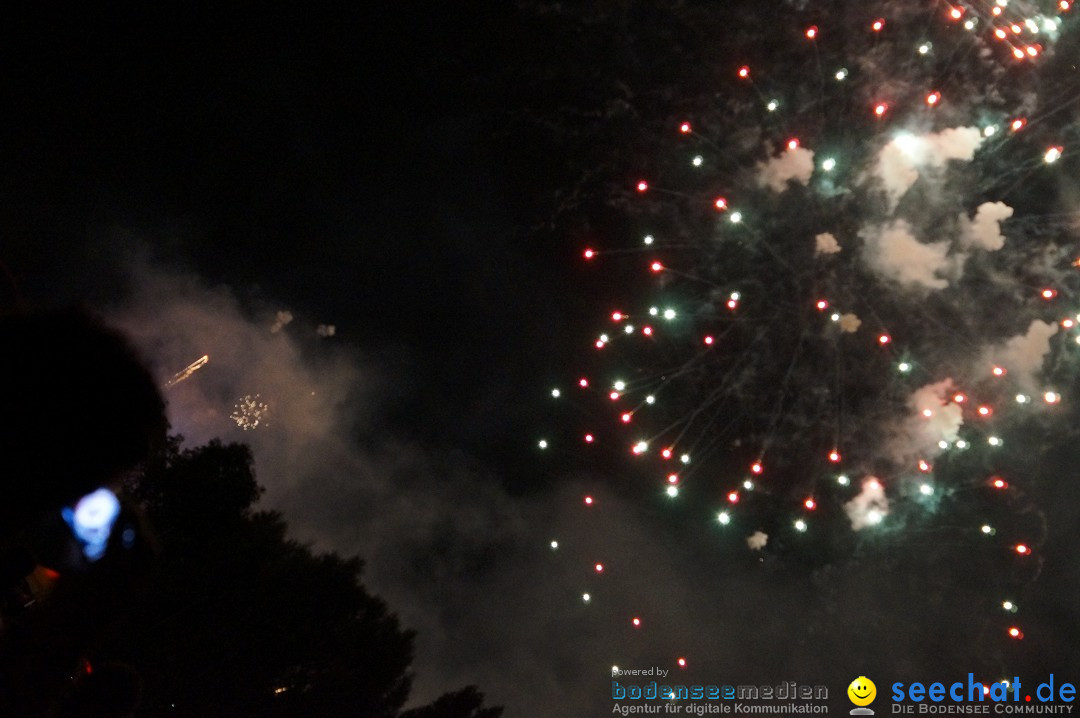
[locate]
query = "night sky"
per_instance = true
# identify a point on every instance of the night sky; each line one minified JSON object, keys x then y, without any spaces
{"x":425,"y":179}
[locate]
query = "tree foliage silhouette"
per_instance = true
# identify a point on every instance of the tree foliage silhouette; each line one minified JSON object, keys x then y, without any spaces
{"x":241,"y":620}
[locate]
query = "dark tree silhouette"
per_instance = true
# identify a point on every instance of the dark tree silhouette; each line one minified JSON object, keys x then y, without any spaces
{"x":466,"y":703}
{"x":240,"y":620}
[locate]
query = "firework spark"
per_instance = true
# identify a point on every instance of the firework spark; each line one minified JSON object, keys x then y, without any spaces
{"x":250,"y":412}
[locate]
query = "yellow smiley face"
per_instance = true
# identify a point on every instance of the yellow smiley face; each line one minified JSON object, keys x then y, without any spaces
{"x":862,"y":691}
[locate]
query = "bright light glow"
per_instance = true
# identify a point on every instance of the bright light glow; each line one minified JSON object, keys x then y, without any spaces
{"x":642,"y":186}
{"x":989,"y":131}
{"x":736,"y":217}
{"x":588,"y":500}
{"x":1022,"y":399}
{"x":748,"y":484}
{"x":669,"y":314}
{"x":1051,"y":397}
{"x":994,"y":441}
{"x":673,"y":491}
{"x":1052,"y":155}
{"x":91,"y":521}
{"x":542,"y":443}
{"x":641,"y":447}
{"x":555,"y":393}
{"x":926,"y":489}
{"x":829,"y":164}
{"x":720,"y":203}
{"x":685,"y":458}
{"x":811,"y":32}
{"x":843,"y":480}
{"x":878,"y":25}
{"x":961,"y":444}
{"x":723,"y":518}
{"x":650,"y":399}
{"x":810,"y":504}
{"x":697,"y":161}
{"x":649,"y":239}
{"x":656,"y":267}
{"x":924,"y":48}
{"x":773,"y":104}
{"x":874,"y":516}
{"x":1009,"y":606}
{"x":842,"y":73}
{"x":599,"y":568}
{"x":554,"y":545}
{"x":685,"y":128}
{"x":987,"y":529}
{"x":800,"y":525}
{"x":1022,"y":549}
{"x":756,"y":467}
{"x":904,"y":367}
{"x":586,"y":598}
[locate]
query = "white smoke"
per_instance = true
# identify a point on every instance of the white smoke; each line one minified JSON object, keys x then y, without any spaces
{"x":869,"y":507}
{"x":281,"y":320}
{"x":936,"y":418}
{"x":794,"y":164}
{"x":1023,"y":355}
{"x":899,"y":161}
{"x":825,"y":243}
{"x":894,"y":252}
{"x":849,"y":323}
{"x":984,"y":230}
{"x":757,"y":540}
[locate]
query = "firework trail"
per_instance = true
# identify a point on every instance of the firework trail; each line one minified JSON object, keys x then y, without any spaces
{"x":187,"y":371}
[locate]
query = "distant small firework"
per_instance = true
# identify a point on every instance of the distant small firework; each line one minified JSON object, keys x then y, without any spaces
{"x":250,"y":412}
{"x":188,"y":371}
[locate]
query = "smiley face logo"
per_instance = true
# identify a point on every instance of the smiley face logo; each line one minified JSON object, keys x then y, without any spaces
{"x":862,"y":691}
